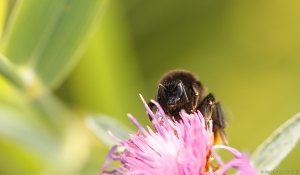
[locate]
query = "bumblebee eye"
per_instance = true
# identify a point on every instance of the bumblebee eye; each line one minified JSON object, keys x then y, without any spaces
{"x":179,"y":90}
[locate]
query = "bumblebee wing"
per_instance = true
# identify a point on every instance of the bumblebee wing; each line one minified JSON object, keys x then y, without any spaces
{"x":219,"y":125}
{"x":219,"y":136}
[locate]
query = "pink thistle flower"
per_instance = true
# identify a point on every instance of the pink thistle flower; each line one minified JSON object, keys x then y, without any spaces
{"x":176,"y":148}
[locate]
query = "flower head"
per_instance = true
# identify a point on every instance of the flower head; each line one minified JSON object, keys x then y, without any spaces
{"x":177,"y":148}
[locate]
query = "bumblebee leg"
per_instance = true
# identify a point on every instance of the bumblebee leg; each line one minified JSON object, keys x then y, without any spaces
{"x":151,"y":106}
{"x":206,"y":107}
{"x":196,"y":98}
{"x":211,"y":109}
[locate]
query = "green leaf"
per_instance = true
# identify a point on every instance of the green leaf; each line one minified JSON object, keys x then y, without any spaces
{"x":110,"y":75}
{"x":17,"y":127}
{"x":3,"y":11}
{"x":50,"y":36}
{"x":54,"y":109}
{"x":276,"y":147}
{"x":8,"y":70}
{"x":100,"y":124}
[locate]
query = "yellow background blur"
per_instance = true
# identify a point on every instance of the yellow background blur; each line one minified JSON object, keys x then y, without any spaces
{"x":246,"y":53}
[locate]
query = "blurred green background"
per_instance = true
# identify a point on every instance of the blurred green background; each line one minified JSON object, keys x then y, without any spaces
{"x":64,"y":59}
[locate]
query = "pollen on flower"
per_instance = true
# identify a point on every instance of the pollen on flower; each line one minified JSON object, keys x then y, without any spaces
{"x":177,"y":148}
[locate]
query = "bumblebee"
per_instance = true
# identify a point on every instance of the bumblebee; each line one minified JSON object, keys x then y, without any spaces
{"x":180,"y":89}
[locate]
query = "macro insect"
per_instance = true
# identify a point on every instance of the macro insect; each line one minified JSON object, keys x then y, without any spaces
{"x":180,"y":89}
